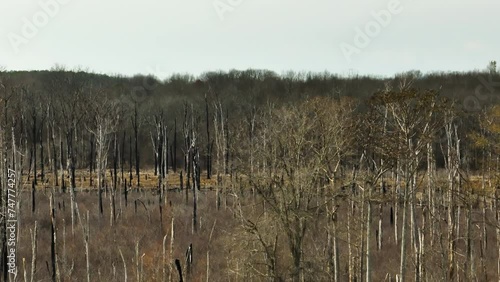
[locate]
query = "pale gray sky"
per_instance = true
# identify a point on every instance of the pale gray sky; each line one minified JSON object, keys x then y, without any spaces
{"x":171,"y":36}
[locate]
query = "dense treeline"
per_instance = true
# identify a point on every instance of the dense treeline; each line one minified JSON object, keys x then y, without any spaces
{"x":53,"y":109}
{"x":306,"y":163}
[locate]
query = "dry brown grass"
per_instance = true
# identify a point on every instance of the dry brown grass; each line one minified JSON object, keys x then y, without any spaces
{"x":131,"y":226}
{"x":229,"y":248}
{"x":147,"y":179}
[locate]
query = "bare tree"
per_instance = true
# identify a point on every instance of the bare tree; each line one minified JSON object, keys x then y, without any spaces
{"x":105,"y":119}
{"x":411,"y":123}
{"x":304,"y":147}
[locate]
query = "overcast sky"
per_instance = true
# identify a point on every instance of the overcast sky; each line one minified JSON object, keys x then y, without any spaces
{"x":177,"y":36}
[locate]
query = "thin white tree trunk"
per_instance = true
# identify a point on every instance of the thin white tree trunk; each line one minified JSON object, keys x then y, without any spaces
{"x":368,"y":233}
{"x":349,"y":241}
{"x":33,"y":250}
{"x":125,"y":278}
{"x":402,"y":266}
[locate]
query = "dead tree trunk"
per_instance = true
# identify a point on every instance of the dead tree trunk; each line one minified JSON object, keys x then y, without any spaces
{"x":122,"y":159}
{"x":497,"y":204}
{"x":33,"y":251}
{"x":53,"y":241}
{"x":196,"y":157}
{"x":61,"y":161}
{"x":380,"y":227}
{"x":208,"y":159}
{"x":34,"y":128}
{"x":164,"y":150}
{"x":71,"y":158}
{"x":187,"y":148}
{"x":115,"y":162}
{"x":91,"y":159}
{"x":469,"y":266}
{"x":33,"y":199}
{"x":174,"y":151}
{"x":42,"y":166}
{"x":130,"y":160}
{"x":368,"y":233}
{"x":179,"y":269}
{"x":112,"y":207}
{"x":54,"y":154}
{"x":135,"y":125}
{"x":402,"y":266}
{"x":226,"y":162}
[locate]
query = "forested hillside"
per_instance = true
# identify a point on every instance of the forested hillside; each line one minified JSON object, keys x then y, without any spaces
{"x":297,"y":176}
{"x":48,"y":105}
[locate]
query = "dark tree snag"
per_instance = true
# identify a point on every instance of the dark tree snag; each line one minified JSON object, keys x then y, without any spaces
{"x":122,"y":157}
{"x":71,"y":158}
{"x":130,"y":160}
{"x":99,"y":193}
{"x":53,"y":253}
{"x":160,"y":147}
{"x":188,"y":172}
{"x":33,"y":116}
{"x":391,"y":217}
{"x":181,"y":182}
{"x":208,"y":159}
{"x":54,"y":154}
{"x":125,"y":192}
{"x":30,"y":163}
{"x":187,"y":147}
{"x":155,"y":155}
{"x":167,"y":146}
{"x":164,"y":151}
{"x":115,"y":163}
{"x":174,"y":152}
{"x":91,"y":158}
{"x":179,"y":269}
{"x":227,"y":144}
{"x":135,"y":125}
{"x":172,"y":158}
{"x":195,"y":184}
{"x":42,"y":167}
{"x":33,"y":200}
{"x":61,"y":155}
